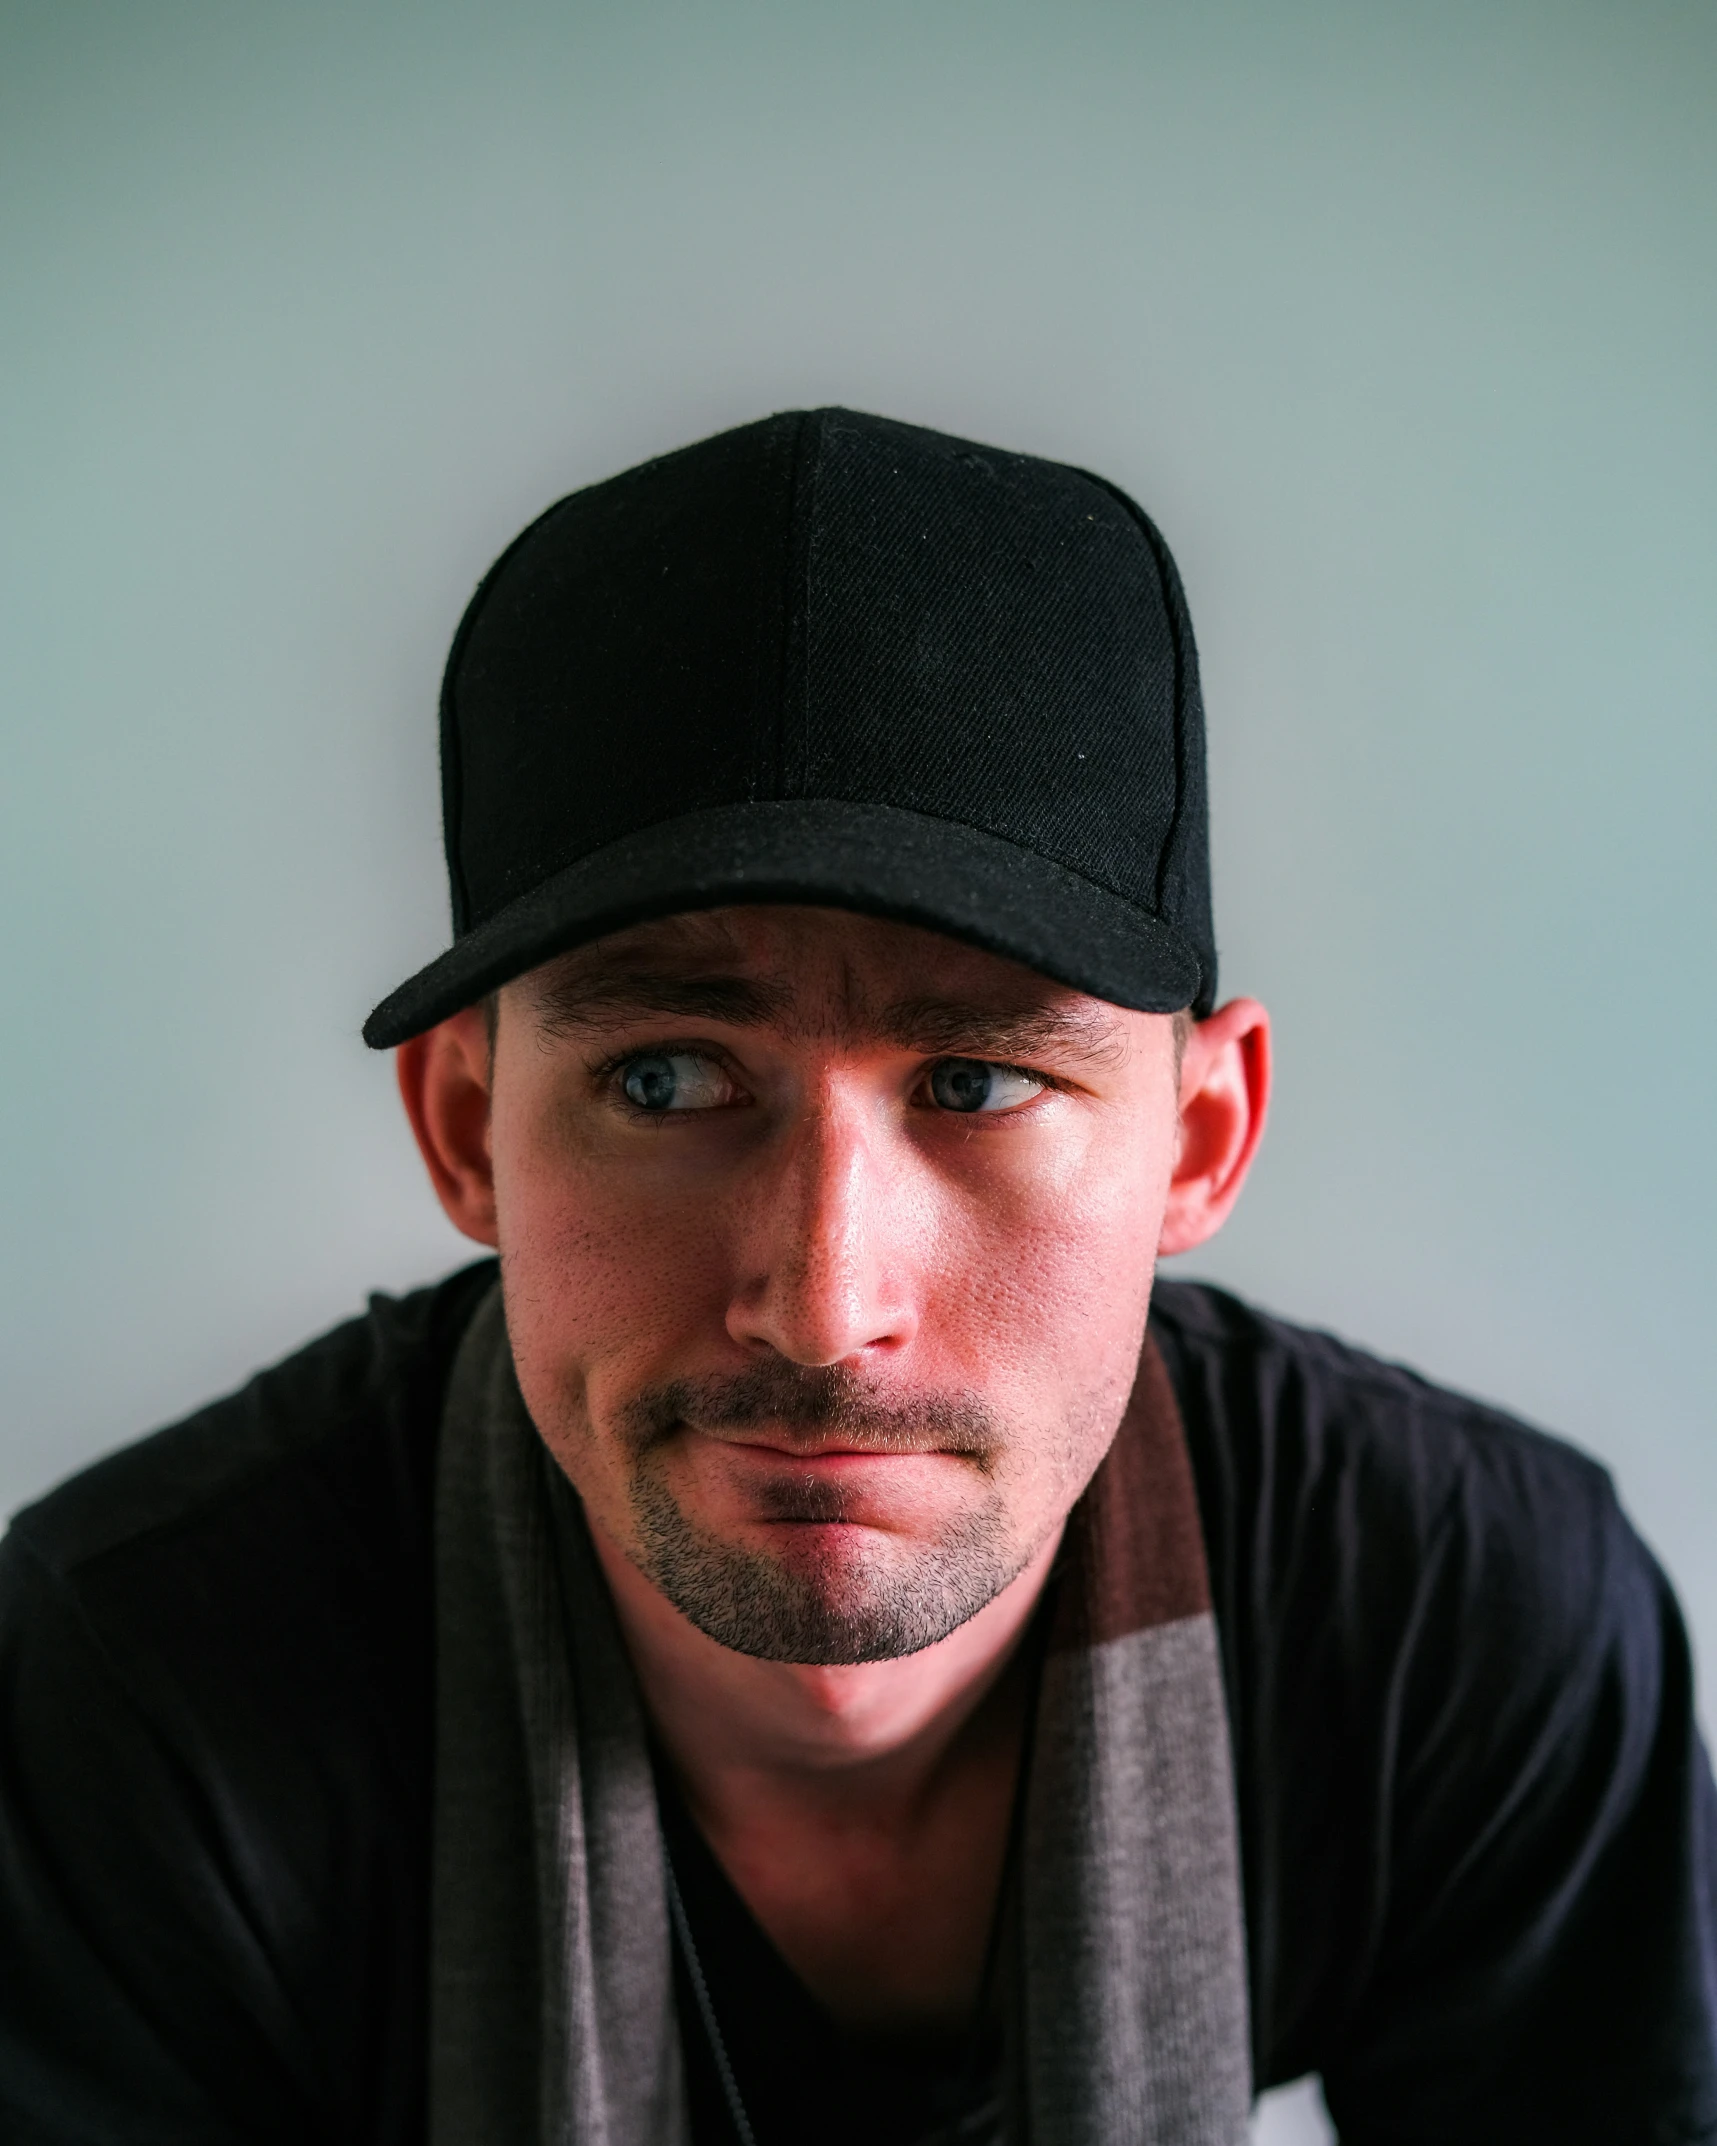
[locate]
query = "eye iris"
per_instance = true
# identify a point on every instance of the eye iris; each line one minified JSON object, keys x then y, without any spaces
{"x":962,"y":1083}
{"x":651,"y":1083}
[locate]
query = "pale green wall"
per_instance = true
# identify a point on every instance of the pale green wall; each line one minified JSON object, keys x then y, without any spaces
{"x":1400,"y":319}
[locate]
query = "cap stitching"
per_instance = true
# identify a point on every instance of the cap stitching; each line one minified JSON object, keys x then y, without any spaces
{"x":793,"y":709}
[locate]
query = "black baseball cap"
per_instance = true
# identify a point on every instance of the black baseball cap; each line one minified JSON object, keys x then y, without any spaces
{"x":831,"y":659}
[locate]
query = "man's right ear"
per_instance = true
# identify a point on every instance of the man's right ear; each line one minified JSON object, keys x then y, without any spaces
{"x":444,"y":1083}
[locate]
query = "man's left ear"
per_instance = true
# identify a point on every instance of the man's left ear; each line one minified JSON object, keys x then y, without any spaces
{"x":1224,"y":1095}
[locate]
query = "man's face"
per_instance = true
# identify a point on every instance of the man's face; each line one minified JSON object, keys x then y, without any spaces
{"x":827,"y":1245}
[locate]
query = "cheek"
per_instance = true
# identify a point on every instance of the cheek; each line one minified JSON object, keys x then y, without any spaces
{"x":1028,"y":1266}
{"x":1045,"y":1273}
{"x":606,"y":1277}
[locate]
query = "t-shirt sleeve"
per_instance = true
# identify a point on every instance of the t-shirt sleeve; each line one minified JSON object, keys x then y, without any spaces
{"x":1477,"y":1826}
{"x":1544,"y":1961}
{"x":135,"y":2003}
{"x":216,"y":1720}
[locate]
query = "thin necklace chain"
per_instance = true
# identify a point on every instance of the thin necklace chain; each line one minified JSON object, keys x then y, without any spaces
{"x":1036,"y":1638}
{"x":712,"y":2026}
{"x":706,"y":2008}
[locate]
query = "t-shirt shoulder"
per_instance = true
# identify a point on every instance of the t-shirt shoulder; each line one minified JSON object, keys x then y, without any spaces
{"x":216,"y":1708}
{"x":1327,"y":1404}
{"x":1475,"y":1815}
{"x":380,"y":1372}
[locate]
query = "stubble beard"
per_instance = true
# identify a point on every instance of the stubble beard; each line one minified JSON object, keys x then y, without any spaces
{"x":845,"y":1594}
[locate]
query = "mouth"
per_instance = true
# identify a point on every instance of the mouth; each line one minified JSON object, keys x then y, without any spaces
{"x":895,"y":1433}
{"x":820,"y":1452}
{"x":809,"y":1415}
{"x":787,"y":1447}
{"x":829,"y":1479}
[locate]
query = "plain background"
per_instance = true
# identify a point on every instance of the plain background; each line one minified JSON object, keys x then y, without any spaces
{"x":1400,"y":320}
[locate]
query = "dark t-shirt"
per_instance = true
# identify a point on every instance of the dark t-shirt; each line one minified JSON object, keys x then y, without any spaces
{"x":799,"y":2077}
{"x":1478,"y":1834}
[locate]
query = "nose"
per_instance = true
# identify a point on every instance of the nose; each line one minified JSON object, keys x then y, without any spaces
{"x":828,"y":1251}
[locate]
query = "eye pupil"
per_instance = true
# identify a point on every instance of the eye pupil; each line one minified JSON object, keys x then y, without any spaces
{"x":650,"y":1083}
{"x":962,"y":1083}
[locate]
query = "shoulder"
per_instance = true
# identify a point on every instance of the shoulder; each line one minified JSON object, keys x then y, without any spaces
{"x":1471,"y":1793}
{"x":1249,"y":1368}
{"x":252,"y":1586}
{"x":1382,"y":1548}
{"x":361,"y":1396}
{"x":1300,"y":1435}
{"x":216,"y":1709}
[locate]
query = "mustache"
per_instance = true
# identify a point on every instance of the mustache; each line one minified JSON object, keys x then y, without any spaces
{"x":812,"y":1401}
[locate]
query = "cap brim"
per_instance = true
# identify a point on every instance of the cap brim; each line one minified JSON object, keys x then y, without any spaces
{"x":879,"y":859}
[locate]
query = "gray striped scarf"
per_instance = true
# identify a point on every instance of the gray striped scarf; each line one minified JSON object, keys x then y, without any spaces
{"x":552,"y":2013}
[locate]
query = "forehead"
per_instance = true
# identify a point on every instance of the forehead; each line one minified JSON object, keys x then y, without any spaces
{"x":811,"y":970}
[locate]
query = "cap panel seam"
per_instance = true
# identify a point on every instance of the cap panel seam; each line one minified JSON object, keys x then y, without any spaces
{"x":746,"y":713}
{"x":1180,"y":627}
{"x":1171,"y":611}
{"x":793,"y":715}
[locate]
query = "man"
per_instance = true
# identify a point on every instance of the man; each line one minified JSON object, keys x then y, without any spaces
{"x":820,"y":1648}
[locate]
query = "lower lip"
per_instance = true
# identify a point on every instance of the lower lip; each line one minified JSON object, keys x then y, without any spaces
{"x":866,"y":1489}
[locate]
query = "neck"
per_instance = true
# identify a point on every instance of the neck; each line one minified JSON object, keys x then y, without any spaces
{"x":743,"y":1734}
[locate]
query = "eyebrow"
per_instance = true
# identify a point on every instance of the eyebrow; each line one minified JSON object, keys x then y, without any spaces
{"x":581,"y":1001}
{"x":937,"y":1026}
{"x":952,"y":1026}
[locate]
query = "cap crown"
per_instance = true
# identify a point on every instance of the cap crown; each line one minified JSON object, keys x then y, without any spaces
{"x":826,"y":605}
{"x":830,"y":659}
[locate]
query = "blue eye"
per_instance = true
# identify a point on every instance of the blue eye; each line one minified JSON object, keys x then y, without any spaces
{"x":973,"y":1084}
{"x":675,"y":1080}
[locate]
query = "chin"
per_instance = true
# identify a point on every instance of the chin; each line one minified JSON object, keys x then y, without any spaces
{"x":820,"y":1591}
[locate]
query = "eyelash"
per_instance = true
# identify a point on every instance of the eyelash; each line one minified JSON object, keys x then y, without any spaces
{"x":672,"y":1047}
{"x":993,"y":1119}
{"x":604,"y":1075}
